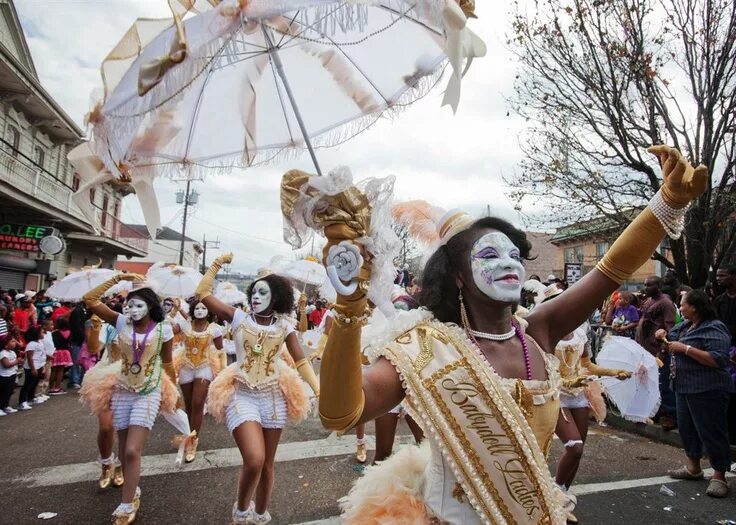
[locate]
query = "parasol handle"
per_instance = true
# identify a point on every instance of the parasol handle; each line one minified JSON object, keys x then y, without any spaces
{"x":273,"y":53}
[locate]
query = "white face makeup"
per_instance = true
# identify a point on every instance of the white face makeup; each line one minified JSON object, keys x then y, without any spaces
{"x":261,"y":298}
{"x":497,"y":268}
{"x":167,"y":306}
{"x":137,"y":309}
{"x":200,"y":311}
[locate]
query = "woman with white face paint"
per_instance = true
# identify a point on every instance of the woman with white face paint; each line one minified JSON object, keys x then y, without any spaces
{"x":260,"y":392}
{"x":197,"y":362}
{"x":483,"y":384}
{"x":143,"y":383}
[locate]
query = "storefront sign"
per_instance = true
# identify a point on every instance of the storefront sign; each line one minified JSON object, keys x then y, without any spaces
{"x":24,"y":237}
{"x":573,"y":272}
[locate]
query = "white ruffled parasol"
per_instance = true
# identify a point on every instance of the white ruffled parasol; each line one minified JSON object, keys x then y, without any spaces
{"x":228,"y":293}
{"x":638,"y":397}
{"x":171,"y":280}
{"x":254,"y":80}
{"x":75,"y":285}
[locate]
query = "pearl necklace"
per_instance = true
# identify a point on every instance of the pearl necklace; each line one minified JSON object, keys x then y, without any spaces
{"x":493,"y":337}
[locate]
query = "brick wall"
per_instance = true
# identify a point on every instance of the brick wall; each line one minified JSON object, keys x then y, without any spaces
{"x":545,"y":253}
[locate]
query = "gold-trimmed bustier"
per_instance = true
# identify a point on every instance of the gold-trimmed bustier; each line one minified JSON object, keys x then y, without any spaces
{"x":197,"y":346}
{"x":150,"y":364}
{"x":258,"y":351}
{"x":539,"y":400}
{"x":569,"y":354}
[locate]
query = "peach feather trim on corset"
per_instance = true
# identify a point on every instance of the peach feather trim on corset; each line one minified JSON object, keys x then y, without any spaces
{"x":169,"y":394}
{"x":594,"y":393}
{"x":98,"y":385}
{"x":298,"y":404}
{"x":390,"y":493}
{"x":213,"y":357}
{"x":420,"y":218}
{"x":178,"y":359}
{"x":221,"y":391}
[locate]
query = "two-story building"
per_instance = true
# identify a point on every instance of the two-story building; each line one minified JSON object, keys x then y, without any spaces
{"x":42,"y":232}
{"x":587,"y":242}
{"x":165,"y":248}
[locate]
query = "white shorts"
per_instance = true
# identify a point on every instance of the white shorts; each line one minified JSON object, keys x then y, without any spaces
{"x":266,"y":407}
{"x":578,"y":401}
{"x":188,"y":374}
{"x":398,"y":410}
{"x":131,"y":408}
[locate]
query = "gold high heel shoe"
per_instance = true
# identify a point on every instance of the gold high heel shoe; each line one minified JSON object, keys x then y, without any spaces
{"x":191,"y":450}
{"x":106,"y":476}
{"x":124,"y":518}
{"x":117,"y":477}
{"x":361,"y":454}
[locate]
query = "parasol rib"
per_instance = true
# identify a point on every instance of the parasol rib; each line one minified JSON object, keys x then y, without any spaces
{"x":274,"y":54}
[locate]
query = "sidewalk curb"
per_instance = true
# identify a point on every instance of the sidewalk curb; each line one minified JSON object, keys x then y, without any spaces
{"x":653,"y":432}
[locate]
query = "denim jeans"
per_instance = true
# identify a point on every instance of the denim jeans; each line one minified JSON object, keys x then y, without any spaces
{"x":703,"y":424}
{"x":75,"y":374}
{"x":668,"y":405}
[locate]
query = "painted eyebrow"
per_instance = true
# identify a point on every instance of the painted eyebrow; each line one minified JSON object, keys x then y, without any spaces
{"x":486,"y":249}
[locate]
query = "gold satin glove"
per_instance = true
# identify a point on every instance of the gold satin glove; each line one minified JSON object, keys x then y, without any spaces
{"x":596,"y":370}
{"x":93,"y":341}
{"x":170,"y":371}
{"x":575,"y":382}
{"x":92,"y":298}
{"x":303,"y":321}
{"x":307,"y":372}
{"x":204,"y":288}
{"x":223,"y":359}
{"x":637,"y":243}
{"x":320,"y":348}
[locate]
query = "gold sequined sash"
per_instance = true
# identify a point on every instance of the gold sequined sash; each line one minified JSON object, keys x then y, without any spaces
{"x":476,"y":424}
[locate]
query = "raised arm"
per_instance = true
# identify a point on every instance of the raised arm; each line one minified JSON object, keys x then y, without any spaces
{"x":97,"y":307}
{"x":203,"y":292}
{"x":551,"y":321}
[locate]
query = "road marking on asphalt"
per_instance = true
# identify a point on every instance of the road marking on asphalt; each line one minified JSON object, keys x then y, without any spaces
{"x":206,"y":459}
{"x":578,"y":490}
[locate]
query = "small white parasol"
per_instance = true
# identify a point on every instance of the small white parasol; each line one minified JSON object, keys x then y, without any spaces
{"x":75,"y":285}
{"x":306,"y":271}
{"x":228,"y":293}
{"x":637,"y":398}
{"x":173,"y":280}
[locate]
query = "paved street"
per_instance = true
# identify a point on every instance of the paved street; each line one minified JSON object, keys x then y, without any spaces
{"x":49,"y":452}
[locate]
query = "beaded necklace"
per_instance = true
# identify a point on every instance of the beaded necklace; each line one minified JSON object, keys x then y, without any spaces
{"x":524,"y":346}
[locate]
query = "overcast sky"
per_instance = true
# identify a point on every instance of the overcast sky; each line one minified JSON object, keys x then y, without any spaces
{"x":451,"y":161}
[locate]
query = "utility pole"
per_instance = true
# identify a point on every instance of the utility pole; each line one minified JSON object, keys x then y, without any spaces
{"x":188,"y":198}
{"x":205,"y":243}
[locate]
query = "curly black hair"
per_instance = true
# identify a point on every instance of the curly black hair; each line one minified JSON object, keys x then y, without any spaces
{"x":702,"y":304}
{"x":155,"y":311}
{"x":192,"y":302}
{"x":33,"y":333}
{"x":282,"y":293}
{"x":439,"y":289}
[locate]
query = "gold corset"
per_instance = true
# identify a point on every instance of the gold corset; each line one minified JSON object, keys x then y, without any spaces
{"x":114,"y":349}
{"x":258,"y":351}
{"x":569,"y":353}
{"x":149,"y":362}
{"x":196,"y":348}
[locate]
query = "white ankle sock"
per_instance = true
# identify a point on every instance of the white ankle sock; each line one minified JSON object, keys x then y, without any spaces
{"x":361,"y":441}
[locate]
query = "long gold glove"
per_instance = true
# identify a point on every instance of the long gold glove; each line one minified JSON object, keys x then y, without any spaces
{"x":204,"y":288}
{"x":307,"y":372}
{"x":92,"y":298}
{"x":93,"y":341}
{"x":596,"y":370}
{"x":575,"y":382}
{"x":317,"y":354}
{"x":682,"y":184}
{"x":303,"y":321}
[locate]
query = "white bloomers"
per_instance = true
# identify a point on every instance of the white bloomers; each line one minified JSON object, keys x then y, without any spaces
{"x":266,"y":407}
{"x":131,"y":408}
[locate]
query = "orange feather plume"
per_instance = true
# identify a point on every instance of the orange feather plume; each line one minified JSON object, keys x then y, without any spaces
{"x":420,"y":218}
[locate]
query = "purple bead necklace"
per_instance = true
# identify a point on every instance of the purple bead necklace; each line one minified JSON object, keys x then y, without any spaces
{"x":524,"y":346}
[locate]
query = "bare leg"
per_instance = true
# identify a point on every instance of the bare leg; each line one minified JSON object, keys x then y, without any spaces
{"x":122,"y":439}
{"x":105,"y":434}
{"x":186,"y":390}
{"x":271,"y":438}
{"x":416,"y":430}
{"x":385,"y":434}
{"x":360,"y":431}
{"x":250,"y":441}
{"x":198,"y":397}
{"x":134,"y":442}
{"x":572,"y":429}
